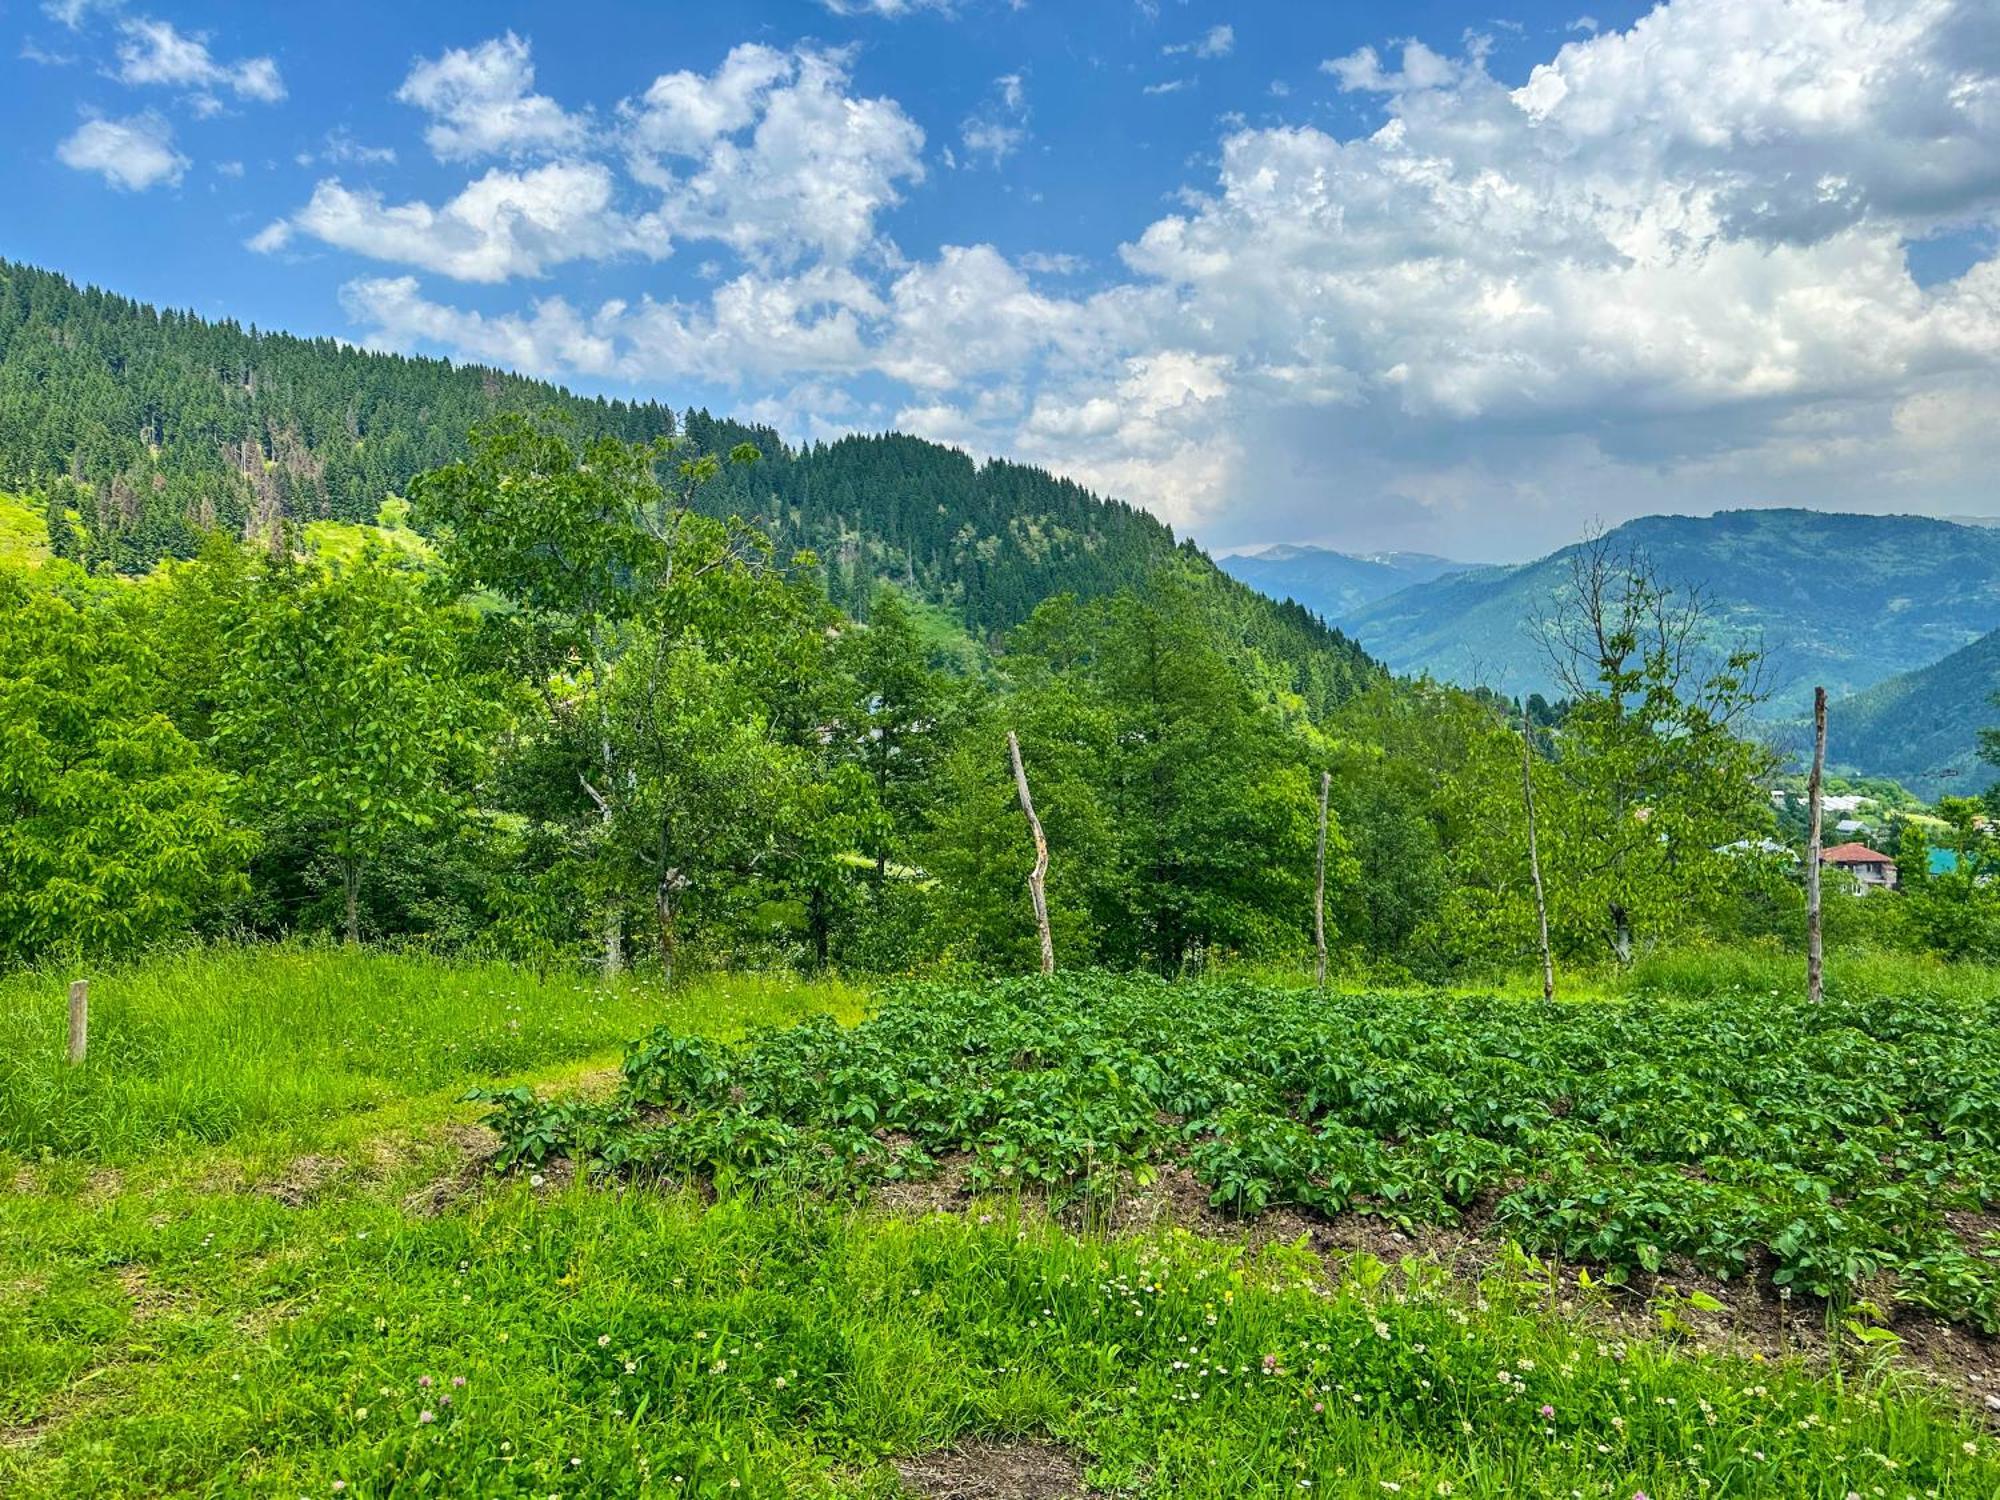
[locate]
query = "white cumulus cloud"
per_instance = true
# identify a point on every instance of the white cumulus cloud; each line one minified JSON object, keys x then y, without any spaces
{"x":772,"y":156}
{"x":503,"y":224}
{"x":157,"y":52}
{"x":481,"y":101}
{"x":134,"y":153}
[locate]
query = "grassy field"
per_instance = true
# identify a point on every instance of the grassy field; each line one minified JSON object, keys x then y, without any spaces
{"x":246,"y":1252}
{"x":204,"y":1046}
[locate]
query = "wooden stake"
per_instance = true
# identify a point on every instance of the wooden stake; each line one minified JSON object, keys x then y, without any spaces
{"x":79,"y":1019}
{"x":1534,"y":852}
{"x":1319,"y":885}
{"x":1037,"y":877}
{"x":1815,"y":978}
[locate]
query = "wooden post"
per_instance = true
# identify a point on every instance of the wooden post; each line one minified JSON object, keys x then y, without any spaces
{"x":1534,"y":852}
{"x":79,"y":1019}
{"x":1815,"y":978}
{"x":1319,"y":885}
{"x":1037,"y":877}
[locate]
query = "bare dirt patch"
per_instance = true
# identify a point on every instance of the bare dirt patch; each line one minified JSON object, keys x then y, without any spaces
{"x":475,"y":1146}
{"x":148,"y":1299}
{"x":944,"y":1191}
{"x":996,"y":1471}
{"x":304,"y":1180}
{"x":25,"y":1436}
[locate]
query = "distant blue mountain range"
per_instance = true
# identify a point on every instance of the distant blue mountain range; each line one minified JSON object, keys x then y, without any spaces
{"x":1894,"y":615}
{"x":1334,"y":584}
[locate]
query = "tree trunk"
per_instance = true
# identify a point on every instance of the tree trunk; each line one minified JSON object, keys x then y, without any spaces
{"x":667,"y":905}
{"x":614,"y":940}
{"x":1534,"y":851}
{"x":1621,"y":932}
{"x":1037,"y":877}
{"x":1815,"y":978}
{"x":819,"y":922}
{"x":1319,"y":885}
{"x":614,"y":920}
{"x":350,"y":880}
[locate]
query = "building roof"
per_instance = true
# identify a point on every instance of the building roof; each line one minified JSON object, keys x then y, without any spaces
{"x":1853,"y":854}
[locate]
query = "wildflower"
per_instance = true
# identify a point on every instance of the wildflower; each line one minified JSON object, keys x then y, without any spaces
{"x":339,"y":1485}
{"x":457,"y":1381}
{"x":424,"y":1381}
{"x":360,"y":1413}
{"x":1319,"y":1406}
{"x":537,"y":1180}
{"x":1548,"y":1411}
{"x":576,"y":1463}
{"x":426,"y":1415}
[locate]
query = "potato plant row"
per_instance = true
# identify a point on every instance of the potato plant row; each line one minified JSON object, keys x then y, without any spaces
{"x":1747,"y":1135}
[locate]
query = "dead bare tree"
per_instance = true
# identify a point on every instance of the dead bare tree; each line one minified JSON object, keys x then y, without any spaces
{"x":1534,"y":851}
{"x":1814,"y":976}
{"x":1319,"y":884}
{"x":1038,"y":876}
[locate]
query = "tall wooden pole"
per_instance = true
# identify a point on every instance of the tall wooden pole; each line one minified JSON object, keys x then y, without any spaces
{"x":79,"y":1019}
{"x":1815,"y":978}
{"x":1534,"y":851}
{"x":1037,"y":877}
{"x":1319,"y":885}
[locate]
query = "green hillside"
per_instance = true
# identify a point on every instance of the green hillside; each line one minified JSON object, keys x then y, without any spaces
{"x":156,"y":426}
{"x":1846,"y":601}
{"x":1923,"y":727}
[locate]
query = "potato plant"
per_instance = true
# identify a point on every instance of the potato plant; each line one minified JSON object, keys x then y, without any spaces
{"x":1742,"y":1134}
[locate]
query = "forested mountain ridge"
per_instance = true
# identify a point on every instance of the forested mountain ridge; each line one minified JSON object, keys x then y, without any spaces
{"x":1923,"y":727}
{"x":1835,"y":599}
{"x":154,"y":426}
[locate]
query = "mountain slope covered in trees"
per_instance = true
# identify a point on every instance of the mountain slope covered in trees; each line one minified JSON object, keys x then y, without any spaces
{"x":148,"y":427}
{"x":1922,"y":727}
{"x":1840,"y":600}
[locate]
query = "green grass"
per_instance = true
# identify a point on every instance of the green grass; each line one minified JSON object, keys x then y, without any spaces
{"x":203,"y":1045}
{"x":24,"y":534}
{"x":247,"y":1292}
{"x":644,"y":1343}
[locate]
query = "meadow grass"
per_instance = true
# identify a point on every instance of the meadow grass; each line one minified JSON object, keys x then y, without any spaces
{"x":201,"y":1045}
{"x":1694,"y":971}
{"x":185,"y":1310}
{"x":652,"y":1343}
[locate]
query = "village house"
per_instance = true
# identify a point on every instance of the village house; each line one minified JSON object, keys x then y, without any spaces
{"x":1871,"y":869}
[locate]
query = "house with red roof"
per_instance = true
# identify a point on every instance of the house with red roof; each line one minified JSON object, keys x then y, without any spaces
{"x":1872,"y":870}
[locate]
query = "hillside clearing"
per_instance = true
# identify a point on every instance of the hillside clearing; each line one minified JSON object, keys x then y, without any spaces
{"x":253,"y":1302}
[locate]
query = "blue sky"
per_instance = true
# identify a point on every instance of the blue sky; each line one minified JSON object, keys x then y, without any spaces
{"x":1459,"y":278}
